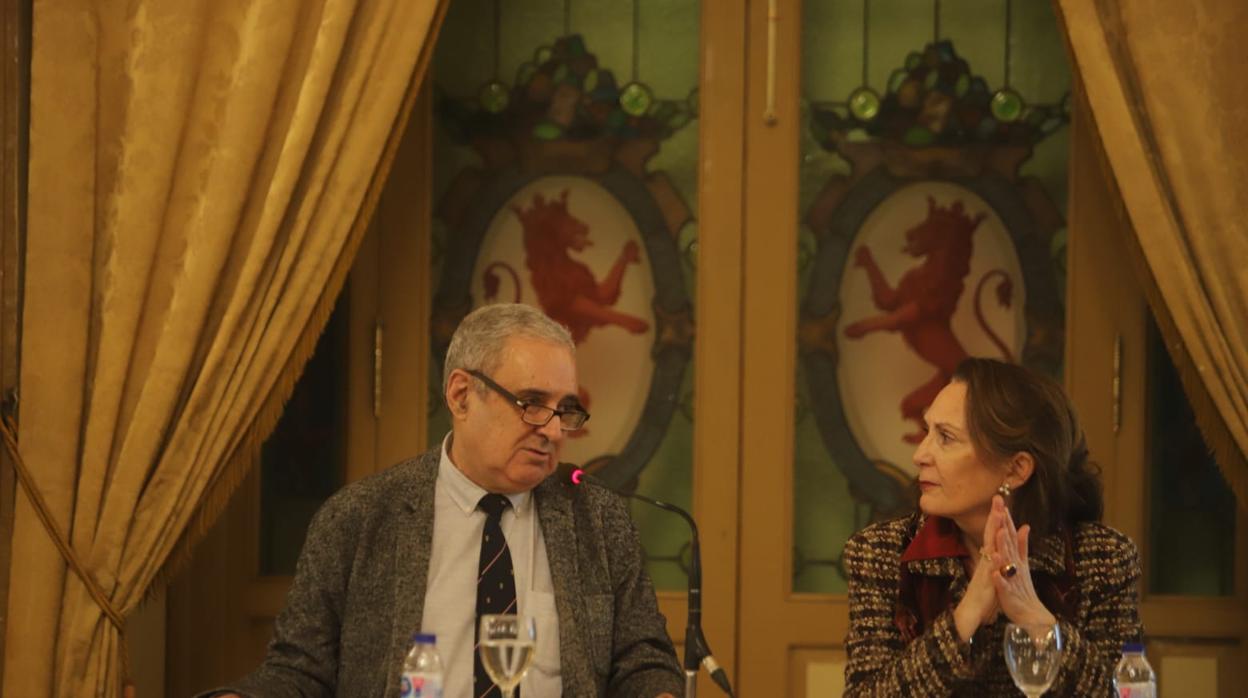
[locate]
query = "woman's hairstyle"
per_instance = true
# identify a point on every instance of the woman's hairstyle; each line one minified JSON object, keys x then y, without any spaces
{"x":1011,"y":409}
{"x":478,"y":342}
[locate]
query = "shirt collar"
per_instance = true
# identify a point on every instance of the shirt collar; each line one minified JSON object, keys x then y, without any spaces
{"x":466,"y":493}
{"x":936,"y":548}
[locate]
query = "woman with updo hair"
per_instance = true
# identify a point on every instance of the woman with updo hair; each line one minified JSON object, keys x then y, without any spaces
{"x":1007,"y":530}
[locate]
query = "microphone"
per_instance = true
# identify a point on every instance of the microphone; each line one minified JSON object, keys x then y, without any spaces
{"x":697,"y":652}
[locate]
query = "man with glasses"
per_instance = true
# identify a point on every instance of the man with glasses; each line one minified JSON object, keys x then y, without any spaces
{"x":477,"y":526}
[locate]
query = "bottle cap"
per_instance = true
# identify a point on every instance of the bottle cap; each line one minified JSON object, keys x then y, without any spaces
{"x":1136,"y":647}
{"x":424,"y":639}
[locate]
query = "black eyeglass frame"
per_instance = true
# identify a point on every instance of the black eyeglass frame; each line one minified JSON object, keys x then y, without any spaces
{"x":530,"y":411}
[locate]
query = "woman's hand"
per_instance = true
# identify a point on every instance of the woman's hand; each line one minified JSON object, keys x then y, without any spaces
{"x":979,"y":606}
{"x":1015,"y":593}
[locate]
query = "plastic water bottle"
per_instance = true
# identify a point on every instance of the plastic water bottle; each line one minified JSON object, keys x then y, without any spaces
{"x":1134,"y":678}
{"x":422,"y":669}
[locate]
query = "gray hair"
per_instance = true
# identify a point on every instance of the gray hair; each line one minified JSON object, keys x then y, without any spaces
{"x":479,"y":340}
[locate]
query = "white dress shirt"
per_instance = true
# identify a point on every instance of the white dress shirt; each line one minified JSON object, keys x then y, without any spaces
{"x":451,"y":597}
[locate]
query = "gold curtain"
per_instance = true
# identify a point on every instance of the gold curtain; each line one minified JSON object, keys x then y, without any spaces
{"x":1171,"y":111}
{"x":200,"y":175}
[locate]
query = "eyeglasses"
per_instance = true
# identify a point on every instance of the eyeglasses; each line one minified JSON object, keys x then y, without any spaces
{"x":535,"y":413}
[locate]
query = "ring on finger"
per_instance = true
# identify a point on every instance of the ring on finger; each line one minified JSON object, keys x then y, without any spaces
{"x":1008,"y":570}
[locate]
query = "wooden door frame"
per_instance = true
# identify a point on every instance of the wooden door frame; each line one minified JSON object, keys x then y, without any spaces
{"x":717,"y":346}
{"x":774,"y":620}
{"x":403,"y":301}
{"x":15,"y":19}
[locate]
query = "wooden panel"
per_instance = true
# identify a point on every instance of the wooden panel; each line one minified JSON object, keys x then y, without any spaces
{"x":14,"y":115}
{"x":403,"y":220}
{"x":1197,"y":676}
{"x":206,"y":628}
{"x":1106,"y":303}
{"x":772,"y":619}
{"x":817,"y":672}
{"x":1198,"y":669}
{"x":362,"y":300}
{"x":717,"y":349}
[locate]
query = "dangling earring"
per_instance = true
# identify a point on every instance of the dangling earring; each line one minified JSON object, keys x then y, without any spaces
{"x":1004,"y":489}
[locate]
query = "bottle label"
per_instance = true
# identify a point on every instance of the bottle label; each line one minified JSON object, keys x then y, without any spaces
{"x":420,"y":686}
{"x":1136,"y":690}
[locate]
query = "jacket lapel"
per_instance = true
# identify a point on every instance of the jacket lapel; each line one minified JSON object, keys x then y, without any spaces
{"x":554,"y":513}
{"x":413,"y":545}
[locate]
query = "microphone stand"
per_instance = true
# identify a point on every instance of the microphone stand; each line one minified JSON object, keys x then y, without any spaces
{"x":697,"y":652}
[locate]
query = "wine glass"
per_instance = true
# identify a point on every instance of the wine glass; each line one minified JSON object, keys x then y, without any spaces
{"x":508,"y":643}
{"x":1033,"y":655}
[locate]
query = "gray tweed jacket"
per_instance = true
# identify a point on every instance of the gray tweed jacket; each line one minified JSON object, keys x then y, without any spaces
{"x":359,"y":593}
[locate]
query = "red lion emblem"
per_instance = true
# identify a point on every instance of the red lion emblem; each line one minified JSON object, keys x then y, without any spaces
{"x":566,"y":288}
{"x":922,"y":305}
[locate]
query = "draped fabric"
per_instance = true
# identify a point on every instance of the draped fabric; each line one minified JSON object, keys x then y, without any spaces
{"x":200,"y":174}
{"x":1171,"y":112}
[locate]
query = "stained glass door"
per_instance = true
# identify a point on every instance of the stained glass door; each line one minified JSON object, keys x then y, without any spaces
{"x":583,"y":163}
{"x":893,"y":146}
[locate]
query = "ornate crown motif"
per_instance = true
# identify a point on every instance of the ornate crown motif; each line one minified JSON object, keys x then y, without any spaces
{"x":935,"y":100}
{"x":563,"y":95}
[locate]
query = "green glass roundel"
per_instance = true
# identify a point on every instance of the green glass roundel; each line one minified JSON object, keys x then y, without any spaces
{"x":897,"y":79}
{"x":962,"y":85}
{"x":918,"y":136}
{"x":864,"y":104}
{"x":493,"y":97}
{"x":547,"y":131}
{"x":1007,"y":105}
{"x":525,"y":73}
{"x":635,"y":99}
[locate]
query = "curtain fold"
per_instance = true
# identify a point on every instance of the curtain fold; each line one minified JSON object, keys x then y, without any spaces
{"x":200,"y":174}
{"x":1172,"y":116}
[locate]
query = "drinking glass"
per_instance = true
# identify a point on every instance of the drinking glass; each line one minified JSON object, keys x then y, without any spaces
{"x":507,"y":644}
{"x":1033,"y":655}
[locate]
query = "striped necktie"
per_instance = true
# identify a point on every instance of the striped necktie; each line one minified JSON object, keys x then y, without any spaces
{"x":496,"y":584}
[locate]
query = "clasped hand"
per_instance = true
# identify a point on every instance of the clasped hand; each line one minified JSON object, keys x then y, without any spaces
{"x":993,"y":587}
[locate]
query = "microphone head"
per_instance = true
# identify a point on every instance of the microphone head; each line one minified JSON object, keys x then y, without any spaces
{"x":570,"y":475}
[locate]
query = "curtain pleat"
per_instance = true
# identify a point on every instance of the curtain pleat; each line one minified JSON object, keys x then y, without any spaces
{"x":200,"y":174}
{"x":1171,"y":114}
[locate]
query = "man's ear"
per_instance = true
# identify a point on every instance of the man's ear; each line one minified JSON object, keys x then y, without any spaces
{"x":457,"y":388}
{"x":1022,"y":465}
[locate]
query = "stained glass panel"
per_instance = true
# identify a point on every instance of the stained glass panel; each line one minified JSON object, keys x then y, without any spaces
{"x":580,"y":115}
{"x":933,"y":149}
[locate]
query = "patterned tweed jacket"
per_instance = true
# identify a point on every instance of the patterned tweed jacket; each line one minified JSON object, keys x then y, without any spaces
{"x":889,"y":655}
{"x":359,"y":593}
